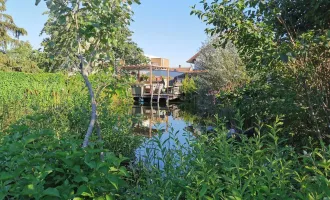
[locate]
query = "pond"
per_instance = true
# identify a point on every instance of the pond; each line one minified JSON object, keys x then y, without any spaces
{"x":166,"y":128}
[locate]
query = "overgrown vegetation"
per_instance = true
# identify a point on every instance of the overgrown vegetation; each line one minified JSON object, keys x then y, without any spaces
{"x":213,"y":167}
{"x":267,"y":67}
{"x":42,"y":127}
{"x":285,"y":47}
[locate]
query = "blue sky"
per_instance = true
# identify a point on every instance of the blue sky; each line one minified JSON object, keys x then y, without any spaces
{"x":161,"y":27}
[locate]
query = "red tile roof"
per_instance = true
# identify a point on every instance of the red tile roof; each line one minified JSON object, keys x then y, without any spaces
{"x":181,"y":69}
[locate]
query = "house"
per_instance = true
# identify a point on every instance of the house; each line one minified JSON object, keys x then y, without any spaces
{"x":158,"y":61}
{"x":193,"y":59}
{"x":181,"y":69}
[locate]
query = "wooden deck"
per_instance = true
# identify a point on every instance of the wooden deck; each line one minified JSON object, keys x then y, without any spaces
{"x":155,"y":96}
{"x":168,"y":94}
{"x":153,"y":88}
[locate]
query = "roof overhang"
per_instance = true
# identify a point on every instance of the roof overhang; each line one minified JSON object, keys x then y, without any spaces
{"x":193,"y":59}
{"x":142,"y":67}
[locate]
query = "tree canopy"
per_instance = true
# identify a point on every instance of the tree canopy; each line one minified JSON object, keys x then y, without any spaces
{"x":286,"y":45}
{"x":9,"y":32}
{"x":102,"y":28}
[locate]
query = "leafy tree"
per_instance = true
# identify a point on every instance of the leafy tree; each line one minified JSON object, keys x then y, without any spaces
{"x":188,"y":85}
{"x":262,"y":30}
{"x":83,"y":33}
{"x":122,"y":48}
{"x":131,"y":54}
{"x":286,"y":45}
{"x":8,"y":28}
{"x":20,"y":58}
{"x":223,"y":66}
{"x":43,"y":61}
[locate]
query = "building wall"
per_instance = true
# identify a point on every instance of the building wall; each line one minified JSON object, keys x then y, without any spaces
{"x":166,"y":62}
{"x":160,"y":61}
{"x":156,"y":61}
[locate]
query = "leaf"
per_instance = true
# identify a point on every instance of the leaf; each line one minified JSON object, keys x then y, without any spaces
{"x":2,"y":195}
{"x":82,"y":189}
{"x":85,"y":194}
{"x":37,"y":2}
{"x":52,"y":192}
{"x":5,"y":176}
{"x":107,"y":197}
{"x":203,"y":191}
{"x":284,"y":58}
{"x":49,"y":3}
{"x":62,"y":20}
{"x":31,"y":138}
{"x":80,"y":178}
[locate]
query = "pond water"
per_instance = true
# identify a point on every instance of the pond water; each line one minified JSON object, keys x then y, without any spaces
{"x":164,"y":128}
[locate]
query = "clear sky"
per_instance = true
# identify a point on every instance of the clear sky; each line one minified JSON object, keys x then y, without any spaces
{"x":161,"y":28}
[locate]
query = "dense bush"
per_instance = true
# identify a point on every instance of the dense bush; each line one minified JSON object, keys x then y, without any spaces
{"x":37,"y":164}
{"x":285,"y":48}
{"x":22,"y":93}
{"x":41,"y":155}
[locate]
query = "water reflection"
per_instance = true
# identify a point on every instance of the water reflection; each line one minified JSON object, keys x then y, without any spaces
{"x":165,"y":130}
{"x":152,"y":119}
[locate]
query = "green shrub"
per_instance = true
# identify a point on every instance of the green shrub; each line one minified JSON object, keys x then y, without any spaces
{"x":38,"y":165}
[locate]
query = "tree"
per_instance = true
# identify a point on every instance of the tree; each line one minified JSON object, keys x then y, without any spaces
{"x":8,"y":28}
{"x":263,"y":29}
{"x":83,"y":33}
{"x":20,"y":58}
{"x":223,"y":66}
{"x":131,"y":54}
{"x":123,"y":48}
{"x":188,"y":85}
{"x":286,"y":45}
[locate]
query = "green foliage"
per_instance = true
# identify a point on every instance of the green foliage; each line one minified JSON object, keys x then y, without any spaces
{"x":36,"y":164}
{"x":223,"y":66}
{"x":22,"y":94}
{"x":285,"y":47}
{"x":188,"y":85}
{"x":102,"y":29}
{"x":22,"y":86}
{"x":41,"y":155}
{"x":47,"y":114}
{"x":8,"y":27}
{"x":130,"y":53}
{"x":20,"y":58}
{"x":216,"y":167}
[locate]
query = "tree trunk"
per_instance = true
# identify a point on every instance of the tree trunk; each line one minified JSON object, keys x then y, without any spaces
{"x":93,"y":102}
{"x":90,"y":89}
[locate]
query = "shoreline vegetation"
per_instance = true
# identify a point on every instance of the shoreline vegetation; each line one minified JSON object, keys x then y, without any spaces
{"x":265,"y":93}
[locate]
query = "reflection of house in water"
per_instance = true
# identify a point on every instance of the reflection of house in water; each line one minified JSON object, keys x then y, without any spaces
{"x":153,"y":119}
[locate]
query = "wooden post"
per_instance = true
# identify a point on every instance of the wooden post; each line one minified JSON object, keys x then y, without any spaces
{"x":150,"y":127}
{"x":167,"y":125}
{"x":168,"y":79}
{"x":159,"y":90}
{"x":139,"y":78}
{"x":150,"y":121}
{"x":151,"y":86}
